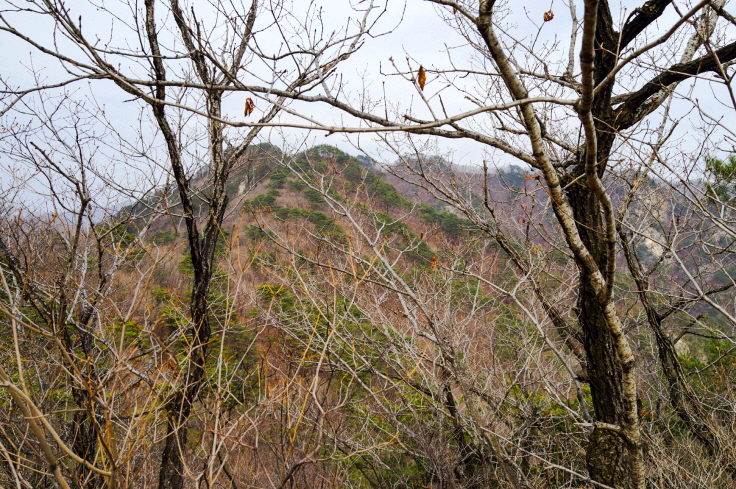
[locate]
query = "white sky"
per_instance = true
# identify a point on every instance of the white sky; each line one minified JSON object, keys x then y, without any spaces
{"x":422,"y":34}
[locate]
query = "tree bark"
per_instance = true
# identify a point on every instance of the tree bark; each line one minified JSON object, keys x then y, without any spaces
{"x":609,"y":453}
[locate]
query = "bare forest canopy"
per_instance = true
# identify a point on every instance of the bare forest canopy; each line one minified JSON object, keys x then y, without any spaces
{"x":193,"y":296}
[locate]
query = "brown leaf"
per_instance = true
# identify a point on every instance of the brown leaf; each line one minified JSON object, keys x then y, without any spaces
{"x":249,"y":106}
{"x":549,"y":16}
{"x":454,"y":10}
{"x":421,"y":77}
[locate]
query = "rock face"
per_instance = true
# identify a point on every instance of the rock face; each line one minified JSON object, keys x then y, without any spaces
{"x":682,"y":348}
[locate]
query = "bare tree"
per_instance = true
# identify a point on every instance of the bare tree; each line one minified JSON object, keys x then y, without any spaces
{"x":571,"y":129}
{"x":178,"y":67}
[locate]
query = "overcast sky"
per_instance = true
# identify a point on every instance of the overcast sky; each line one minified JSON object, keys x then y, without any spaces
{"x":418,"y":31}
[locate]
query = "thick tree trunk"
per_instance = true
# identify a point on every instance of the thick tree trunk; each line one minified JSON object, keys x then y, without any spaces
{"x":610,"y":455}
{"x":614,"y":453}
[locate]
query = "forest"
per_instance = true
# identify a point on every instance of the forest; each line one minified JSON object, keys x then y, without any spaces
{"x":371,"y":244}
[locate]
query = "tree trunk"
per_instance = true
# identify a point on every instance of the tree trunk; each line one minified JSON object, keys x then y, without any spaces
{"x":609,"y":454}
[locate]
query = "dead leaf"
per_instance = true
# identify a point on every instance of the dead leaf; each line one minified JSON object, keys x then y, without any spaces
{"x":549,"y":16}
{"x":249,"y":106}
{"x":454,"y":10}
{"x":421,"y":77}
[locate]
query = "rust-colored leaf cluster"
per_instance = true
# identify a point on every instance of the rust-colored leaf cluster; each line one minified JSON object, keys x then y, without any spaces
{"x":645,"y":412}
{"x":421,"y":77}
{"x":249,"y":106}
{"x":549,"y":15}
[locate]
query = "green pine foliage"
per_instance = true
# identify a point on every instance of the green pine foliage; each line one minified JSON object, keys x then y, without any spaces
{"x":720,"y":182}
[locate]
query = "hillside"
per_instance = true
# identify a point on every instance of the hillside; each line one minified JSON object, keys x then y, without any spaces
{"x":339,"y":303}
{"x":368,"y":327}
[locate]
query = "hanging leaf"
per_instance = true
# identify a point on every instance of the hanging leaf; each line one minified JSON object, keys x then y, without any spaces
{"x":549,"y":16}
{"x":421,"y":77}
{"x":454,"y":10}
{"x":249,"y":106}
